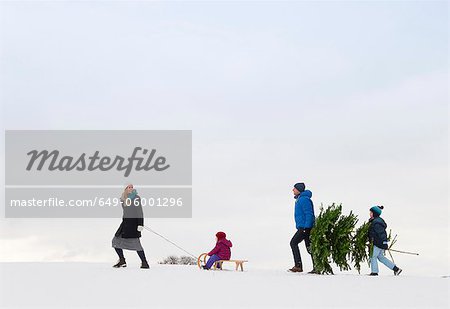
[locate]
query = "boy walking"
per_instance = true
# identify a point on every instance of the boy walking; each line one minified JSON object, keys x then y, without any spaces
{"x":378,"y":236}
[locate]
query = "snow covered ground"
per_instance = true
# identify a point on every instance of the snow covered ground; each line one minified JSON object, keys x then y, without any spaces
{"x":95,"y":285}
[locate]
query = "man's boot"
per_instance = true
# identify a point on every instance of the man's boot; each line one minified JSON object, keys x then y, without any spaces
{"x":296,"y":269}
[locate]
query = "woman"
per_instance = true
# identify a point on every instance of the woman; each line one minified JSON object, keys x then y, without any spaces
{"x":129,"y":231}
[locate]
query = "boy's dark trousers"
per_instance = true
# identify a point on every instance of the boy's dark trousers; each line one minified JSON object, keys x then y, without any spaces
{"x":299,"y":236}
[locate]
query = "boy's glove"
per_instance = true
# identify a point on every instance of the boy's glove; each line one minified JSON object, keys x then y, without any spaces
{"x":140,"y":228}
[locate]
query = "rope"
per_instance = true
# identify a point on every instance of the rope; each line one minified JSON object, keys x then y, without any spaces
{"x":169,"y":241}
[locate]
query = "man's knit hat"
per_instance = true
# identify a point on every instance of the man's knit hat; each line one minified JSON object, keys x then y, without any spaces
{"x":300,"y":186}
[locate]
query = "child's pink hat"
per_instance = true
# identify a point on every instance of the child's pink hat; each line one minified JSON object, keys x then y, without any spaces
{"x":221,"y":235}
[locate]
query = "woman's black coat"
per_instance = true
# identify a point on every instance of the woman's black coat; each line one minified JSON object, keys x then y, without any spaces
{"x":132,"y":217}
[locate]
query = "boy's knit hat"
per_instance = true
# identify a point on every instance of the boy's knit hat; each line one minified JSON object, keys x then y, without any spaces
{"x":221,"y":235}
{"x":376,"y":210}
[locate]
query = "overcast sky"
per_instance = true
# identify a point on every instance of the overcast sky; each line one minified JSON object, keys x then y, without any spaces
{"x":349,"y":97}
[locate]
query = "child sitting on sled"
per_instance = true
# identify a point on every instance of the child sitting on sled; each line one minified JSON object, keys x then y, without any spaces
{"x":378,"y":236}
{"x":221,"y":251}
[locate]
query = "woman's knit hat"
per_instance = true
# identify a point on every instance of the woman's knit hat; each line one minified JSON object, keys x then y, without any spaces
{"x":376,"y":210}
{"x":221,"y":235}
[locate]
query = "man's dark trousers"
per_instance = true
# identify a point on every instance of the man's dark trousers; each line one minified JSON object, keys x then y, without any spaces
{"x":299,"y":236}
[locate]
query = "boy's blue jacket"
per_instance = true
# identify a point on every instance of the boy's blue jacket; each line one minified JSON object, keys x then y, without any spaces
{"x":377,"y":232}
{"x":304,"y":211}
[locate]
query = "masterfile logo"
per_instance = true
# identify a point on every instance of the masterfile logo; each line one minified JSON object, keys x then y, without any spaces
{"x":98,"y":157}
{"x":82,"y":173}
{"x":91,"y":163}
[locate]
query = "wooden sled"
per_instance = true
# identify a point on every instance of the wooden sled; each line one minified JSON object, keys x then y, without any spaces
{"x":218,"y":264}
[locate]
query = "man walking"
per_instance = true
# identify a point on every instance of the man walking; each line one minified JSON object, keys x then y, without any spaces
{"x":304,"y":222}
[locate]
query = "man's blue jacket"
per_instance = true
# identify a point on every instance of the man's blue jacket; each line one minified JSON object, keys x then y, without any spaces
{"x":304,"y":211}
